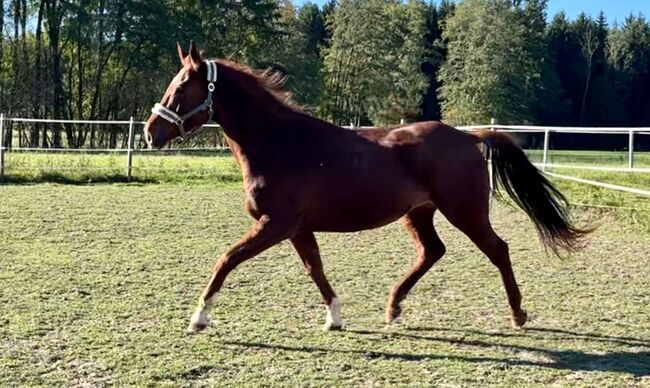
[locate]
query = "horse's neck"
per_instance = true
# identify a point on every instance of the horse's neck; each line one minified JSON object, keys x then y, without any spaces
{"x":249,"y":119}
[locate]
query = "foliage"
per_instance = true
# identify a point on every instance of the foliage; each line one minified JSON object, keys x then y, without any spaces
{"x":372,"y":68}
{"x":629,"y":56}
{"x":435,"y":55}
{"x":490,"y":68}
{"x":297,"y":54}
{"x":361,"y":61}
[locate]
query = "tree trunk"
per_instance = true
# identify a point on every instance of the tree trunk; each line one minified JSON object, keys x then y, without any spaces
{"x":69,"y":127}
{"x":584,"y":95}
{"x":80,"y":85}
{"x":13,"y":103}
{"x":38,"y":84}
{"x":23,"y":79}
{"x":589,"y":47}
{"x":102,"y":61}
{"x":54,"y":18}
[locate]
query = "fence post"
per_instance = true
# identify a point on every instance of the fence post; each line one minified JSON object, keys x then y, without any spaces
{"x":2,"y":145}
{"x":129,"y":151}
{"x":547,"y":135}
{"x":631,"y":150}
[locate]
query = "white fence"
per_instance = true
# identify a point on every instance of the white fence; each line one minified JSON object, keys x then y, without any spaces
{"x":547,"y":131}
{"x":544,"y":165}
{"x":128,"y":151}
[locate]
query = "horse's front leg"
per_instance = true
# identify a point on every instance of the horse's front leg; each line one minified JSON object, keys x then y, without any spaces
{"x":264,"y":234}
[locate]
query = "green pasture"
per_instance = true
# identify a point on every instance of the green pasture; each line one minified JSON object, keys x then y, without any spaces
{"x":591,"y":158}
{"x":187,"y":167}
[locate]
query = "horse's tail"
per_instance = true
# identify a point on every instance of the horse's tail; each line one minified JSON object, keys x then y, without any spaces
{"x":532,"y":192}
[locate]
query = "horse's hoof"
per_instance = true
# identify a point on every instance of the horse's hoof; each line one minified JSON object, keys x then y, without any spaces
{"x":195,"y":328}
{"x":198,"y":322}
{"x":331,"y":326}
{"x":393,"y":315}
{"x":394,"y":322}
{"x":519,"y":320}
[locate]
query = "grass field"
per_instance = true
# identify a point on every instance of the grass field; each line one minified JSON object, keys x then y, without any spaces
{"x":147,"y":167}
{"x":99,"y":281}
{"x":597,"y":158}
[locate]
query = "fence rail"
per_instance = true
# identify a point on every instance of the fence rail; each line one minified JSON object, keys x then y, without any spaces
{"x":130,"y":149}
{"x":547,"y":131}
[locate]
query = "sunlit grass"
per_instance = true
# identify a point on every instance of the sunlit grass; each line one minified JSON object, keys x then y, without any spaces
{"x":99,"y":281}
{"x":591,"y":158}
{"x":147,"y":167}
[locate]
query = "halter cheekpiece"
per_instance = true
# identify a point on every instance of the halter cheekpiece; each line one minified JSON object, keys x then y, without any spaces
{"x":174,"y":118}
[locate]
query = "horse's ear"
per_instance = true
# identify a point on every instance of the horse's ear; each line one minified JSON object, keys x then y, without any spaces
{"x":181,"y":54}
{"x":194,"y":53}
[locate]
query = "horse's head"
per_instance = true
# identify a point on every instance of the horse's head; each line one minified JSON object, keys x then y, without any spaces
{"x":187,"y":103}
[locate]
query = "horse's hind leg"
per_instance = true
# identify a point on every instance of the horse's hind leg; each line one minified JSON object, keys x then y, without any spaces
{"x":419,"y":224}
{"x":467,"y":208}
{"x":307,"y":248}
{"x":497,"y":251}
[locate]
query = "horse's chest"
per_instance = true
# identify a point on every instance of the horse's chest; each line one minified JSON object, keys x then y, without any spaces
{"x":263,"y":198}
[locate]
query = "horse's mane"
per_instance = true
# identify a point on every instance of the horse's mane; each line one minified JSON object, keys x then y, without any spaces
{"x":270,"y":80}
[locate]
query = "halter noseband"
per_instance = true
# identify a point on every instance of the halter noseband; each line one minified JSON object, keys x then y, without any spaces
{"x":174,"y":118}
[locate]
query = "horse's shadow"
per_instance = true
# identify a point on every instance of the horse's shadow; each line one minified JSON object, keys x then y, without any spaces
{"x":634,"y":363}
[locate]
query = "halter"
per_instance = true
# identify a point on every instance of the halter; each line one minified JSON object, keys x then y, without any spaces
{"x":174,"y":118}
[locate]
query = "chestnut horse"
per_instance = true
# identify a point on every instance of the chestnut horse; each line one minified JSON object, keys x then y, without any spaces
{"x":304,"y":175}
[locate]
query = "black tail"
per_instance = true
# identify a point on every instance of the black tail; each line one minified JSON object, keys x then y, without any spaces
{"x":532,"y":192}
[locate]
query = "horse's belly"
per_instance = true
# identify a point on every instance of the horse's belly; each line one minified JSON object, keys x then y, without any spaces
{"x":348,"y":211}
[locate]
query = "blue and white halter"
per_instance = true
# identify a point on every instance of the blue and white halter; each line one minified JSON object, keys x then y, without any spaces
{"x":178,"y":120}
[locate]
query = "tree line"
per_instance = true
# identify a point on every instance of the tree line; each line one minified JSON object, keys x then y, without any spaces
{"x":365,"y":62}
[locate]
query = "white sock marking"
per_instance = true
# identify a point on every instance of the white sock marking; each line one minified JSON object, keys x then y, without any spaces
{"x":200,"y":318}
{"x":333,"y":318}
